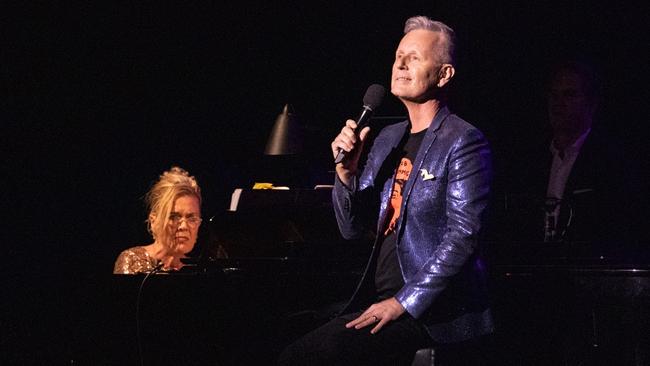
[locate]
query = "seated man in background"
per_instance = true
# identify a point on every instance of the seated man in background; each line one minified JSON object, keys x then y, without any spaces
{"x":572,"y":187}
{"x":572,"y":102}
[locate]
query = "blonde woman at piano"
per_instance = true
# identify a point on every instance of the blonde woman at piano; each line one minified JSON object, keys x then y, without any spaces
{"x":174,"y":204}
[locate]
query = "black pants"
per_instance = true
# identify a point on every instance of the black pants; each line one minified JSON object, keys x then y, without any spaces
{"x":334,"y":344}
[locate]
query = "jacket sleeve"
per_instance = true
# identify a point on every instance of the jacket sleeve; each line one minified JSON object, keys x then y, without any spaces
{"x":351,"y":208}
{"x":467,"y":195}
{"x":342,"y":198}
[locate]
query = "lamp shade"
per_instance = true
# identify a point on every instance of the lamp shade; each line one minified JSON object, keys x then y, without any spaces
{"x":286,"y":135}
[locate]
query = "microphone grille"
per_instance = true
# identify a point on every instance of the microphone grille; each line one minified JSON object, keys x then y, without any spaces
{"x":374,"y":96}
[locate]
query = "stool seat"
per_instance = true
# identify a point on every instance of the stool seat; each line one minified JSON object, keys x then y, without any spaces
{"x":424,"y":357}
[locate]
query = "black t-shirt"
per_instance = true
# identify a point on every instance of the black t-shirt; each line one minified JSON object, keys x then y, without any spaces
{"x":388,"y":275}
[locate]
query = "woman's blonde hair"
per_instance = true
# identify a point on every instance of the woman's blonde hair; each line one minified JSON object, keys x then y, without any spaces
{"x":174,"y":183}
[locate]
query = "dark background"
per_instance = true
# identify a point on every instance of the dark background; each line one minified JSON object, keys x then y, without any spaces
{"x":99,"y":98}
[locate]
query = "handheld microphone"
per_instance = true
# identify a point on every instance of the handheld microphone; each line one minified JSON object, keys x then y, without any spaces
{"x":371,"y":100}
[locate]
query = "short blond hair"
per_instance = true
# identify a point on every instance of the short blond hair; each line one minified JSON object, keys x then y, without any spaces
{"x":172,"y":184}
{"x":448,"y":51}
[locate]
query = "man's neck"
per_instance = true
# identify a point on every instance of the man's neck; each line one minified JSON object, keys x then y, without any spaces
{"x":562,"y":141}
{"x":421,"y":114}
{"x":563,"y":138}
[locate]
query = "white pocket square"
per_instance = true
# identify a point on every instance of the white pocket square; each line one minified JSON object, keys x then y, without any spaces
{"x":426,"y":175}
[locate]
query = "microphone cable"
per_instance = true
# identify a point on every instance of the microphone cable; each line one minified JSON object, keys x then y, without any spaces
{"x":137,"y":311}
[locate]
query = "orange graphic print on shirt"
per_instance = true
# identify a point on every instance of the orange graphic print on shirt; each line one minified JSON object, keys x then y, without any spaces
{"x":401,"y":176}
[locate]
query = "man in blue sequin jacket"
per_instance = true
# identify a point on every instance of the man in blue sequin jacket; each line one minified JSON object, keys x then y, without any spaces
{"x":423,"y":189}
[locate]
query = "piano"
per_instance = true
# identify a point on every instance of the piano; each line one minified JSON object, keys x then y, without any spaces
{"x":275,"y":266}
{"x":571,"y":304}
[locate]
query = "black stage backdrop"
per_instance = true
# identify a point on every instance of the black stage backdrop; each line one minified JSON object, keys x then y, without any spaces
{"x":99,"y":98}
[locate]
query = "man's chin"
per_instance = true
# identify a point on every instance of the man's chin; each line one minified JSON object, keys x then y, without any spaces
{"x":404,"y":97}
{"x":399,"y":90}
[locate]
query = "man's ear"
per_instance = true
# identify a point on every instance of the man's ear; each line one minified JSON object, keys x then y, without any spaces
{"x":445,"y":74}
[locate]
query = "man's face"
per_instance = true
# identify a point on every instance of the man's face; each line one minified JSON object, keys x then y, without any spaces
{"x":416,"y":66}
{"x":569,"y":108}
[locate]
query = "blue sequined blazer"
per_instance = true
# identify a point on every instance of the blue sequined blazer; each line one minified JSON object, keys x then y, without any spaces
{"x":443,"y":204}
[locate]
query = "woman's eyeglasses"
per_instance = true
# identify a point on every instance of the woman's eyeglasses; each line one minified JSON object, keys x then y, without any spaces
{"x":192,"y":221}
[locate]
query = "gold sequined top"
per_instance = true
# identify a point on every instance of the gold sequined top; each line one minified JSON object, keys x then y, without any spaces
{"x":133,"y":261}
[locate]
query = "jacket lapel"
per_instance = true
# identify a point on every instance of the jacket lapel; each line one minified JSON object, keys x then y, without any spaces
{"x":392,"y":143}
{"x":427,"y":142}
